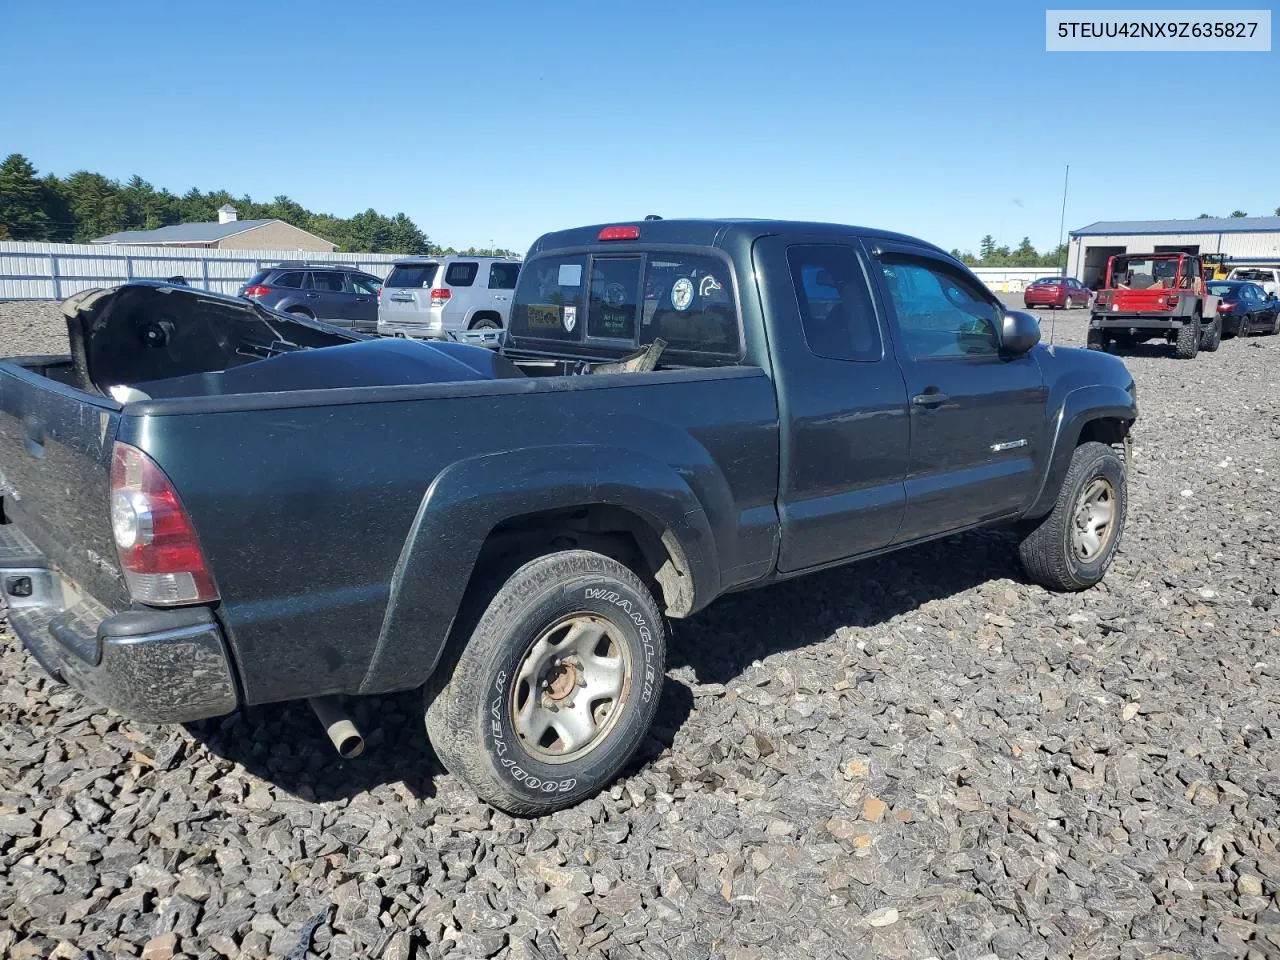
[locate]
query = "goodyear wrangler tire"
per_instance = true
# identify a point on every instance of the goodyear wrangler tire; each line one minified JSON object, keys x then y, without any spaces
{"x":556,"y":687}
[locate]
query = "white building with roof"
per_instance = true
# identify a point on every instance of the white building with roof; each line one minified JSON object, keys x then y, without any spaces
{"x":1248,"y":239}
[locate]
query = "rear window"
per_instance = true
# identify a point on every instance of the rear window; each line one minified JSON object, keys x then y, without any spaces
{"x":549,"y":299}
{"x":1255,"y":275}
{"x":257,"y":278}
{"x":292,"y":280}
{"x":502,"y":276}
{"x":688,"y":302}
{"x":412,"y":275}
{"x":1046,"y":282}
{"x":461,"y":274}
{"x":611,"y":310}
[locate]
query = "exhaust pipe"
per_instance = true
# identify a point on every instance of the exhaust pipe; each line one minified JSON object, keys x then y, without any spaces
{"x":343,"y":733}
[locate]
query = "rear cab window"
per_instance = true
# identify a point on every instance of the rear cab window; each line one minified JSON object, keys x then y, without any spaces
{"x":412,"y":275}
{"x":609,"y":304}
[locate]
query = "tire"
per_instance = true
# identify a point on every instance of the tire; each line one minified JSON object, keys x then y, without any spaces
{"x":1050,"y":553}
{"x":1275,"y":326}
{"x":471,"y":712}
{"x":1095,"y":340}
{"x":1188,"y":343}
{"x":1069,"y":304}
{"x":486,"y":324}
{"x":1211,"y":339}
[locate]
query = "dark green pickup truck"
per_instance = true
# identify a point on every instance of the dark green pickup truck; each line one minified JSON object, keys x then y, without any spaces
{"x":208,"y":504}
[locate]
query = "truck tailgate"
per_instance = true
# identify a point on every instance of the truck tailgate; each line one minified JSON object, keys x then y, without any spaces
{"x":55,"y":474}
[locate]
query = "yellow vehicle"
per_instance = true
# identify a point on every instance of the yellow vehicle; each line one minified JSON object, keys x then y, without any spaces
{"x":1215,"y":266}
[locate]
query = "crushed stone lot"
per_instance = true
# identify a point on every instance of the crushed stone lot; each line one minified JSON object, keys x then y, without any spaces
{"x":917,"y":756}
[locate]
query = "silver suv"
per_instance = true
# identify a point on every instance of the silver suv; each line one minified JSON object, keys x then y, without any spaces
{"x":454,"y":297}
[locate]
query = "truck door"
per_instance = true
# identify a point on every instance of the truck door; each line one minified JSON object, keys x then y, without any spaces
{"x":977,"y":415}
{"x":842,"y":402}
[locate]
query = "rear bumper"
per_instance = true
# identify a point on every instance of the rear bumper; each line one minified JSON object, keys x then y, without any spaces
{"x":158,"y":666}
{"x":1137,"y":321}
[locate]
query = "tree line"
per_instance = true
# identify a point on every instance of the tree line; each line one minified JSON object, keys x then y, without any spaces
{"x":1025,"y":255}
{"x":84,"y":206}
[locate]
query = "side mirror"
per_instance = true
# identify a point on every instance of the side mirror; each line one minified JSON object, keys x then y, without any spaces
{"x":1019,"y":332}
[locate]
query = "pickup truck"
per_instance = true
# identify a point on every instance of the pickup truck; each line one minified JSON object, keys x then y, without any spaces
{"x":208,"y":505}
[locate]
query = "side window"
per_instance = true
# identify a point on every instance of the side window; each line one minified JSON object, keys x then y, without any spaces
{"x":687,"y":300}
{"x":326,"y":282}
{"x":461,"y":274}
{"x":1251,"y":292}
{"x":361,"y":285}
{"x":549,"y":299}
{"x":940,"y":312}
{"x":291,"y":280}
{"x":836,"y":312}
{"x":502,"y":276}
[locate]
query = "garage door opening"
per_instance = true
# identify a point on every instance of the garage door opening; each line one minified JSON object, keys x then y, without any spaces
{"x":1094,"y":273}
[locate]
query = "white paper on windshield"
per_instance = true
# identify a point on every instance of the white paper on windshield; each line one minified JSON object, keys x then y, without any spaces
{"x":570,"y":274}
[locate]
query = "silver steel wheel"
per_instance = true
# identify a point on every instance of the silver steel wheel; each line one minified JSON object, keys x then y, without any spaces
{"x":1094,"y":520}
{"x":570,"y":687}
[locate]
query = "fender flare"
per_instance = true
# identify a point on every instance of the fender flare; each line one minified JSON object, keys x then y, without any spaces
{"x":469,"y":499}
{"x":1080,"y":407}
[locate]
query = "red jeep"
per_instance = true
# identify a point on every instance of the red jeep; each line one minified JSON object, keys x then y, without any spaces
{"x":1149,"y":295}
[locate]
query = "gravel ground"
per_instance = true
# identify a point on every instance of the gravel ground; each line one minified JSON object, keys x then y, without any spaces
{"x":918,"y":756}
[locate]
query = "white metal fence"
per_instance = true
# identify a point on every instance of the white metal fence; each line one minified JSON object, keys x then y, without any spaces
{"x":1013,"y":279}
{"x":53,"y":271}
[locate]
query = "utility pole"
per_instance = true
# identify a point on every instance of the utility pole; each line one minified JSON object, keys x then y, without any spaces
{"x":1062,"y":223}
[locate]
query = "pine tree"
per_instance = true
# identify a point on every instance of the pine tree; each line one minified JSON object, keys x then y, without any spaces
{"x":22,"y":200}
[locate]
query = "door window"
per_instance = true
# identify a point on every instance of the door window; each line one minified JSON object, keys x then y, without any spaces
{"x":293,"y":281}
{"x":502,"y":276}
{"x":611,"y":309}
{"x":327,"y":282}
{"x":940,"y":313}
{"x":461,"y":274}
{"x":361,"y":286}
{"x":836,"y":312}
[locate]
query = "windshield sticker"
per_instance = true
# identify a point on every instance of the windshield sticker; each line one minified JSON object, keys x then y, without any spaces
{"x":570,"y":317}
{"x":682,"y":294}
{"x":543,"y":316}
{"x":570,"y":275}
{"x":708,"y":286}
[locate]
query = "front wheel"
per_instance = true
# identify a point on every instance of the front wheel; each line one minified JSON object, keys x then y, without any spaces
{"x":1211,"y":339}
{"x":1071,"y":548}
{"x":556,"y":687}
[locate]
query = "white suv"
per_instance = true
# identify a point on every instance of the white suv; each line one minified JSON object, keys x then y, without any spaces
{"x":448,"y":298}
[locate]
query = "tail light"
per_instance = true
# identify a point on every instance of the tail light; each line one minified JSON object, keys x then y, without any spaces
{"x":1171,"y":301}
{"x":159,"y":553}
{"x":440,"y":296}
{"x":1225,"y":307}
{"x":257,"y":290}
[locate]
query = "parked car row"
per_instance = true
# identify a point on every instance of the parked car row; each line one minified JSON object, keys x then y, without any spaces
{"x":453,"y":297}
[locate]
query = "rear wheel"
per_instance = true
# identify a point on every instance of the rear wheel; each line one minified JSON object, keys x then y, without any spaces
{"x":555,"y":688}
{"x":1096,"y":340}
{"x":1188,"y":343}
{"x":486,"y":323}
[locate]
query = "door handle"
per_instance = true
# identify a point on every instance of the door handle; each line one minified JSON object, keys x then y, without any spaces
{"x":362,"y":299}
{"x":313,"y":296}
{"x":929,"y":399}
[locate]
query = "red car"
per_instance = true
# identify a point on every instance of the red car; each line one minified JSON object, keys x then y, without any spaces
{"x":1065,"y":292}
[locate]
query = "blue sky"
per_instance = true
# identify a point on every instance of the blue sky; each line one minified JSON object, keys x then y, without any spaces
{"x":499,"y":121}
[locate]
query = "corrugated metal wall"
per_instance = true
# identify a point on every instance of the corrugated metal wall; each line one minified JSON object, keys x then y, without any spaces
{"x":53,"y":271}
{"x":1253,"y":244}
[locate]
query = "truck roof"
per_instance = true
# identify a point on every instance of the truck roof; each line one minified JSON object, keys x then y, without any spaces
{"x":725,"y":232}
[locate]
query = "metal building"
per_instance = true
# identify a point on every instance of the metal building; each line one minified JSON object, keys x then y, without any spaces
{"x":1247,"y":238}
